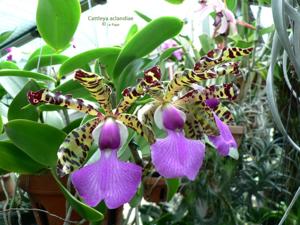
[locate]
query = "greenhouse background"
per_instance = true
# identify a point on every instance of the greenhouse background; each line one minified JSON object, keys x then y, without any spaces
{"x":179,"y":112}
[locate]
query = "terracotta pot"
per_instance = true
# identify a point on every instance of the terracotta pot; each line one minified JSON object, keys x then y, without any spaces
{"x":155,"y":189}
{"x":238,"y":133}
{"x":45,"y":194}
{"x":113,"y":217}
{"x":9,"y":184}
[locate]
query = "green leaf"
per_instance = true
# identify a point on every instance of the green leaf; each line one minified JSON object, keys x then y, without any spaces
{"x":83,"y":210}
{"x":244,"y":44}
{"x":266,"y":30}
{"x":132,"y":31}
{"x":15,"y":160}
{"x":8,"y":65}
{"x":75,"y":89}
{"x":173,"y":185}
{"x":5,"y":35}
{"x":44,"y":60}
{"x":231,"y":5}
{"x":1,"y":124}
{"x":135,"y":201}
{"x":207,"y":43}
{"x":167,"y":54}
{"x":131,"y":70}
{"x":74,"y":124}
{"x":16,"y":110}
{"x":11,"y":85}
{"x":39,"y":141}
{"x":3,"y":172}
{"x":106,"y":56}
{"x":175,"y":2}
{"x":44,"y":50}
{"x":143,"y":16}
{"x":57,"y":21}
{"x":146,"y":40}
{"x":21,"y":73}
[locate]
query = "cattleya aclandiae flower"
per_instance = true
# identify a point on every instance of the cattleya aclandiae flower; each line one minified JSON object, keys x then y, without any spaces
{"x":186,"y":114}
{"x":109,"y":178}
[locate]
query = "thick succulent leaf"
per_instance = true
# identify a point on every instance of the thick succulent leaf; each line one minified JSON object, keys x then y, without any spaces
{"x":5,"y":35}
{"x":75,"y":89}
{"x":218,"y":56}
{"x":106,"y":56}
{"x":20,"y":108}
{"x":44,"y":50}
{"x":8,"y":65}
{"x":44,"y":60}
{"x":96,"y":86}
{"x":143,"y":16}
{"x":132,"y":31}
{"x":57,"y":21}
{"x":45,"y":96}
{"x":15,"y":160}
{"x":73,"y":152}
{"x":1,"y":124}
{"x":133,"y":122}
{"x":39,"y":141}
{"x":21,"y":73}
{"x":146,"y":40}
{"x":173,"y":185}
{"x":132,"y":70}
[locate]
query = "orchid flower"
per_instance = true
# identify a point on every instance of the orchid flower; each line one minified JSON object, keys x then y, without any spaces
{"x":9,"y":56}
{"x":186,"y":117}
{"x":109,"y":178}
{"x":170,"y":44}
{"x":224,"y":20}
{"x":225,"y":142}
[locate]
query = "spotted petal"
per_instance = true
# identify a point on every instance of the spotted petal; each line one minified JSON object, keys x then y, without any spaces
{"x":108,"y":179}
{"x":142,"y":129}
{"x":177,"y":156}
{"x":188,"y":77}
{"x":149,"y":84}
{"x":74,"y":150}
{"x":193,"y":128}
{"x":96,"y":86}
{"x":218,"y":56}
{"x":226,"y":91}
{"x":45,"y":96}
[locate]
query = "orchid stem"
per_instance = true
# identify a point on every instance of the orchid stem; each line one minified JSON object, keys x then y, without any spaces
{"x":66,"y":115}
{"x":133,"y":149}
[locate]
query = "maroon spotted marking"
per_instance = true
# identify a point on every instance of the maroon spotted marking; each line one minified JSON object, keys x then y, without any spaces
{"x":79,"y":74}
{"x":34,"y":97}
{"x":155,"y":70}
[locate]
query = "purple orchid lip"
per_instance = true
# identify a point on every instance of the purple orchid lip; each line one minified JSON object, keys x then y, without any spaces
{"x":169,"y":117}
{"x":177,"y":156}
{"x":172,"y":118}
{"x":108,"y":179}
{"x":109,"y":137}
